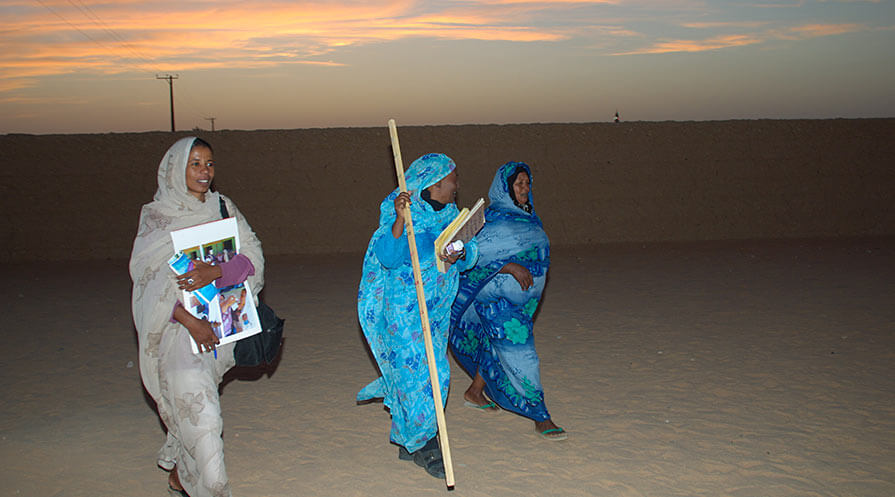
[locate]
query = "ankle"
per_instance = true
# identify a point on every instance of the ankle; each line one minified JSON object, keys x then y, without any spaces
{"x":432,"y":444}
{"x":174,"y":479}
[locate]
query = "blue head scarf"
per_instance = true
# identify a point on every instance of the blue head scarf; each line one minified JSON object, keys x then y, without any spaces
{"x":501,"y":193}
{"x":509,"y":227}
{"x":422,"y":173}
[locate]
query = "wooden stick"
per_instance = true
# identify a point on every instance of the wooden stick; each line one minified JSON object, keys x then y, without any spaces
{"x":424,"y":314}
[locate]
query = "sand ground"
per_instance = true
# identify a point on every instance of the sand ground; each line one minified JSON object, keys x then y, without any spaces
{"x":715,"y":369}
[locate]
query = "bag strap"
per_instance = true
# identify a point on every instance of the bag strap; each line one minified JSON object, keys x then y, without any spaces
{"x":224,"y":213}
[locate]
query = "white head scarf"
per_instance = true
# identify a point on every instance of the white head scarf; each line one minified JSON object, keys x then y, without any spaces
{"x":155,"y":291}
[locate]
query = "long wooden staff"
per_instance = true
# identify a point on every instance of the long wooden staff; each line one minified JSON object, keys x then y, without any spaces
{"x":424,"y":314}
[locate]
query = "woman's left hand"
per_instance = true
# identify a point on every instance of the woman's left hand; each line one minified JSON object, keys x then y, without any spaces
{"x":200,"y":276}
{"x":521,"y":273}
{"x":452,"y":259}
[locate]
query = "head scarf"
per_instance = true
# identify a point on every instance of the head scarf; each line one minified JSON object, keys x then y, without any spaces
{"x":427,"y":170}
{"x":510,"y":234}
{"x":501,"y":193}
{"x":155,"y":292}
{"x":422,"y":173}
{"x":511,"y":181}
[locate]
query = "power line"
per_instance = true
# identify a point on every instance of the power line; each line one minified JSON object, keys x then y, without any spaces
{"x":57,"y":14}
{"x":91,"y":16}
{"x":88,"y":12}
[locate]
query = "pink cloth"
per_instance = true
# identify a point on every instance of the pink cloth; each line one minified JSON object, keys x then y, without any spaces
{"x":233,"y":272}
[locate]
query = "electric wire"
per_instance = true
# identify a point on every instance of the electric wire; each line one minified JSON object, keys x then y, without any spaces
{"x":87,"y":12}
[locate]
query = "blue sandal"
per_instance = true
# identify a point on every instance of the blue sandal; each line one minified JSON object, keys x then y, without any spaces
{"x":548,"y":434}
{"x":490,"y":406}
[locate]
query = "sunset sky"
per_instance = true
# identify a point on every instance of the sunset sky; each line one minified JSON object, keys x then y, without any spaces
{"x":81,"y":66}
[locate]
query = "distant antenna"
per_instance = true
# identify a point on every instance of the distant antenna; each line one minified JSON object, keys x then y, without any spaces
{"x":212,"y":122}
{"x":170,"y":78}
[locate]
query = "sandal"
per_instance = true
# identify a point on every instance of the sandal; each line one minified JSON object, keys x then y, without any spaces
{"x":490,"y":406}
{"x":554,"y":434}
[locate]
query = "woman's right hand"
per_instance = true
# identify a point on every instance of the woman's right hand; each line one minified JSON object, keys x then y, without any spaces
{"x":521,"y":273}
{"x":201,"y":275}
{"x":401,"y":201}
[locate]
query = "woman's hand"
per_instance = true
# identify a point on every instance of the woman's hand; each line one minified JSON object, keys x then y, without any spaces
{"x":401,"y":201}
{"x":452,"y":258}
{"x":204,"y":336}
{"x":198,"y":277}
{"x":521,"y":273}
{"x":199,"y":329}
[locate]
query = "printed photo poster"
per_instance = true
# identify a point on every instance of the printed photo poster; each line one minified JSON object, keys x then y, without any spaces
{"x":230,"y":310}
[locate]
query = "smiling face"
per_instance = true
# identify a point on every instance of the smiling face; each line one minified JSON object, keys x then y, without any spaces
{"x":445,"y":191}
{"x":199,"y":171}
{"x":521,"y":187}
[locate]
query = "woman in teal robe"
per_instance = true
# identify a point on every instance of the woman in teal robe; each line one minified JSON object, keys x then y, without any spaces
{"x":389,"y":313}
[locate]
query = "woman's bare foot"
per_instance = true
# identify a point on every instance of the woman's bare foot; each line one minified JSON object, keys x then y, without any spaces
{"x":548,"y":429}
{"x":475,"y":395}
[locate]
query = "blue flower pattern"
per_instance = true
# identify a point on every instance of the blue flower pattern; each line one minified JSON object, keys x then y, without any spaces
{"x":491,"y":319}
{"x":389,"y":315}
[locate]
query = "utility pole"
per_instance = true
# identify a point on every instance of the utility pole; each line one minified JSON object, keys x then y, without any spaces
{"x":212,"y":122}
{"x":170,"y":78}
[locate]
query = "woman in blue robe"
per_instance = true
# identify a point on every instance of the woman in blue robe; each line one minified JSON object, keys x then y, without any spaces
{"x":492,"y":317}
{"x":389,"y":313}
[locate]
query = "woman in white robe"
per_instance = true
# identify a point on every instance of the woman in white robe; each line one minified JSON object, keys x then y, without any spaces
{"x":184,"y":385}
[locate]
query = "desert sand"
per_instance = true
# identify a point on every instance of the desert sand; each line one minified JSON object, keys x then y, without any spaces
{"x":760,"y":368}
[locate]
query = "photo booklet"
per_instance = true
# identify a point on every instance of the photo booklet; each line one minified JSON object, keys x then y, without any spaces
{"x":465,"y":226}
{"x":230,"y":310}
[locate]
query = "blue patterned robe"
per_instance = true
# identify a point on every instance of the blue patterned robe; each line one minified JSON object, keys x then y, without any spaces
{"x":389,"y":313}
{"x":491,"y":319}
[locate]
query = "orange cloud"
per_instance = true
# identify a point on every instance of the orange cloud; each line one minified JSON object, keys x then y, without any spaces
{"x":696,"y":45}
{"x":817,"y":30}
{"x":737,"y":40}
{"x":552,"y":2}
{"x":14,"y":84}
{"x":724,"y":24}
{"x":64,"y":37}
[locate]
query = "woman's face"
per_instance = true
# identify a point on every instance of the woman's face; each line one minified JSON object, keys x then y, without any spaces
{"x":445,"y":191}
{"x":521,"y":187}
{"x":199,"y":172}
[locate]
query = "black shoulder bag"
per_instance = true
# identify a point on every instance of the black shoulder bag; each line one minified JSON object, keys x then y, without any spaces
{"x":260,"y":348}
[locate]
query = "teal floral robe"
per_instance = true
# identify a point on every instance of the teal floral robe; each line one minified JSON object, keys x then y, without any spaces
{"x":389,"y":313}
